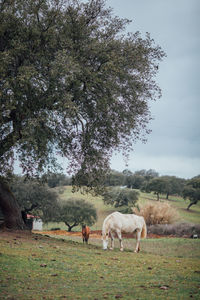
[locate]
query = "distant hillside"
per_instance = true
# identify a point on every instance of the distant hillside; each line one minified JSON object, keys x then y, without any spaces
{"x":192,"y":216}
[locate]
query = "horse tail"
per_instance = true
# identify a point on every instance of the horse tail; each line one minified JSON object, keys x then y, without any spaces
{"x":144,"y":231}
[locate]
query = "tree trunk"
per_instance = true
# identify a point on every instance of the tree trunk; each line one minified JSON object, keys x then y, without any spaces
{"x":10,"y":209}
{"x":70,"y":226}
{"x":69,"y":229}
{"x":191,"y":203}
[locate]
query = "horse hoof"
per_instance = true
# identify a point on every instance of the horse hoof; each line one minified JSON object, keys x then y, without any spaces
{"x":111,"y":248}
{"x":122,"y":249}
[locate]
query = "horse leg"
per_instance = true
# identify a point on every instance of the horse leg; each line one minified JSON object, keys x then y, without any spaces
{"x":120,"y":240}
{"x":112,"y":241}
{"x":138,"y":235}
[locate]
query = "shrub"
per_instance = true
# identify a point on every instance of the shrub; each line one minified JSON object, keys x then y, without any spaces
{"x":158,"y":213}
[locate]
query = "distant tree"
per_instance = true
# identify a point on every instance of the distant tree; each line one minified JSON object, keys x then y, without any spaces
{"x":143,"y":178}
{"x":134,"y":181}
{"x":35,"y":198}
{"x":150,"y":174}
{"x":157,"y":185}
{"x":72,"y":83}
{"x":140,"y":172}
{"x":76,"y":212}
{"x":114,"y":178}
{"x":147,"y":174}
{"x":191,"y":191}
{"x":174,"y":185}
{"x":127,"y":172}
{"x":121,"y":198}
{"x":57,"y":179}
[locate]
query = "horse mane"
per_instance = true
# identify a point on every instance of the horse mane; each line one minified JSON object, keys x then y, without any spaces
{"x":105,"y":227}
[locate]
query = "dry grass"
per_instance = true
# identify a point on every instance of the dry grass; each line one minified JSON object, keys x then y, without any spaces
{"x":158,"y":213}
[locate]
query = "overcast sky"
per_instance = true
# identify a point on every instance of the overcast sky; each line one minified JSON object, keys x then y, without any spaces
{"x":173,"y":147}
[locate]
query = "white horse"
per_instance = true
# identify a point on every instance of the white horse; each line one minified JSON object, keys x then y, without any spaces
{"x":123,"y":223}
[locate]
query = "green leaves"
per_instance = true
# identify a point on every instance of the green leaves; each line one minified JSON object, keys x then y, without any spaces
{"x":35,"y":198}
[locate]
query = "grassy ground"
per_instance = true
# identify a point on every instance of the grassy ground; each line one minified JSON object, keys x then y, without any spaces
{"x":34,"y":266}
{"x":39,"y":267}
{"x":191,"y":216}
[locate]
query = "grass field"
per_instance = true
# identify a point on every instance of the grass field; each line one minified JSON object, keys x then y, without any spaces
{"x":35,"y":266}
{"x":39,"y":267}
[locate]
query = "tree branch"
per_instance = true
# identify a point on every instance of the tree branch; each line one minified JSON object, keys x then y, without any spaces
{"x":8,"y":142}
{"x":34,"y":205}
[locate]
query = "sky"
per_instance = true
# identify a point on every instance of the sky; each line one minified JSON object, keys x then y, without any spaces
{"x":173,"y":147}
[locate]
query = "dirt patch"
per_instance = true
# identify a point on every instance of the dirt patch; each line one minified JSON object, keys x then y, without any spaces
{"x":93,"y":234}
{"x":17,"y":233}
{"x":18,"y":236}
{"x":96,"y":234}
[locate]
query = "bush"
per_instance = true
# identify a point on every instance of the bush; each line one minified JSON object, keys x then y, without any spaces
{"x":158,"y":213}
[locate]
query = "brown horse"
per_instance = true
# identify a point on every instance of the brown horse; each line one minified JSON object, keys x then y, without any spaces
{"x":85,"y":233}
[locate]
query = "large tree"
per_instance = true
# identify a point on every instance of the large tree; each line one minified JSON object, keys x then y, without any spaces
{"x":72,"y":83}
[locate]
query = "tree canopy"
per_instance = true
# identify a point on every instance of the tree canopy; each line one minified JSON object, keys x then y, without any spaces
{"x":76,"y":212}
{"x":122,"y":198}
{"x":72,"y":83}
{"x":157,"y":185}
{"x":35,"y":198}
